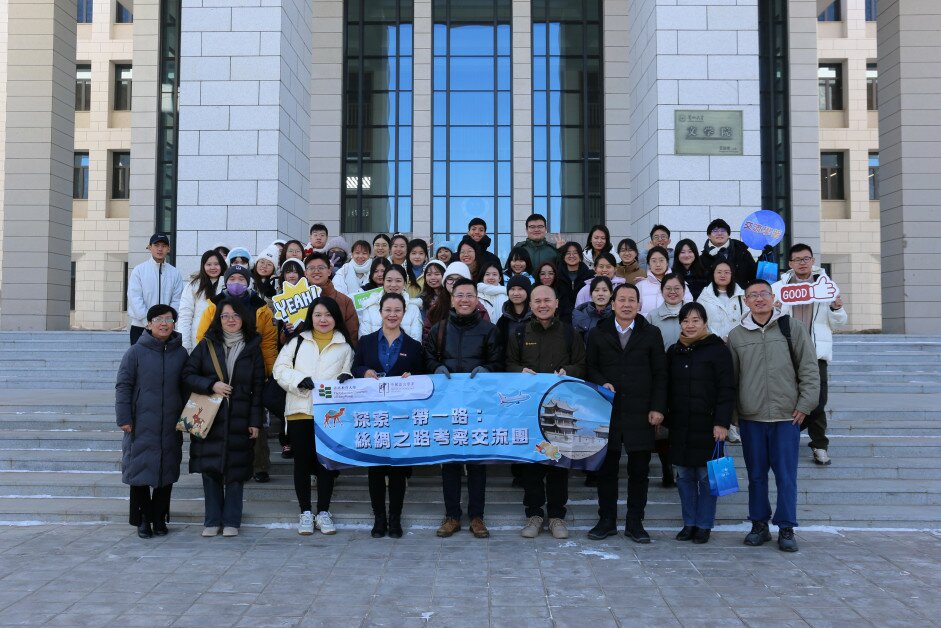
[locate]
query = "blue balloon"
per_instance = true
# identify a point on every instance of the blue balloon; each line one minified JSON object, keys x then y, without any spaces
{"x":762,"y":228}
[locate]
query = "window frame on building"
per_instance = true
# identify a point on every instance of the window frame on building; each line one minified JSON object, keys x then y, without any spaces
{"x":120,"y":175}
{"x":833,"y":176}
{"x":82,"y":87}
{"x":376,"y":181}
{"x":568,"y":37}
{"x":873,"y":176}
{"x":830,"y":88}
{"x":872,"y":10}
{"x":872,"y":86}
{"x":833,"y":12}
{"x":81,"y":173}
{"x":122,"y":15}
{"x":123,"y":87}
{"x":84,"y":11}
{"x":472,"y":147}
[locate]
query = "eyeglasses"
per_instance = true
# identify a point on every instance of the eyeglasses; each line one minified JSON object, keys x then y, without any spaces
{"x":802,"y":260}
{"x":672,"y":290}
{"x":536,"y":226}
{"x":318,"y":269}
{"x":718,"y":230}
{"x":166,"y":320}
{"x":463,"y":296}
{"x":660,"y":238}
{"x":764,"y":294}
{"x":230,"y":317}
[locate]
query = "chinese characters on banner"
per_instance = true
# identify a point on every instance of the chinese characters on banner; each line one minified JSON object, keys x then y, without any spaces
{"x":509,"y":417}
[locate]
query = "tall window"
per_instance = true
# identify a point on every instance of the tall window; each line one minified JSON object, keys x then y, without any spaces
{"x":122,"y":15}
{"x":167,"y":131}
{"x":830,"y":86}
{"x":84,"y":12}
{"x":568,"y":120}
{"x":80,"y":176}
{"x":122,"y":87}
{"x":873,"y":176}
{"x":872,"y":10}
{"x":120,"y":175}
{"x":872,"y":86}
{"x":472,"y":117}
{"x":833,"y":12}
{"x":831,"y":177}
{"x":82,"y":87}
{"x":377,"y":169}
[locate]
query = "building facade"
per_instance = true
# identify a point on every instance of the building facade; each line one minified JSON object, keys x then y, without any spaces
{"x":240,"y":122}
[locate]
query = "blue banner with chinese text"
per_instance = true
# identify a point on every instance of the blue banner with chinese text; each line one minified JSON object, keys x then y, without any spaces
{"x":495,"y":417}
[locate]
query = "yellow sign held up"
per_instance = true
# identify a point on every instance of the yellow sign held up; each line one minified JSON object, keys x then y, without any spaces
{"x":291,"y":305}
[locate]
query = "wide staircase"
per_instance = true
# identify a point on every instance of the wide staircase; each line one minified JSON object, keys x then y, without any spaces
{"x":60,"y":449}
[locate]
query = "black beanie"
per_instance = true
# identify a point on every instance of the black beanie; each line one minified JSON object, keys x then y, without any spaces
{"x":237,"y":270}
{"x":519,"y":281}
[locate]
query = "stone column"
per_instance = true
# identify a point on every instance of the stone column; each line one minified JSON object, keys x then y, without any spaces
{"x":909,"y":154}
{"x":522,"y":42}
{"x":245,"y":107}
{"x":702,"y":55}
{"x":37,"y":214}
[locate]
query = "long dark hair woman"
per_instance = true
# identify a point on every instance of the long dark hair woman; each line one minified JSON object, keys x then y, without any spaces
{"x":377,"y":273}
{"x":321,"y":351}
{"x":598,"y":242}
{"x":700,"y":401}
{"x":293,"y":249}
{"x":688,"y":265}
{"x":225,"y":457}
{"x":388,"y":352}
{"x":197,"y":294}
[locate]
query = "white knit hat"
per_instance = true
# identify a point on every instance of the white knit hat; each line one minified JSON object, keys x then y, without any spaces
{"x":271,"y":254}
{"x":457,"y":268}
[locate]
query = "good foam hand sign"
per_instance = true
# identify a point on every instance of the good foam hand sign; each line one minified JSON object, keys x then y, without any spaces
{"x":821,"y":291}
{"x":291,"y":305}
{"x":513,"y":417}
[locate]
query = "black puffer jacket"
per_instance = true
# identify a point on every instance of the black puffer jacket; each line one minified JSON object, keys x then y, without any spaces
{"x":701,"y":395}
{"x":508,"y":322}
{"x":228,"y":451}
{"x":149,"y":397}
{"x":736,"y":254}
{"x":639,"y":376}
{"x":567,"y":289}
{"x":469,"y":342}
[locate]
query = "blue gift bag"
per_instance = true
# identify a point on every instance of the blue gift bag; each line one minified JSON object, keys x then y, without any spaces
{"x":767,"y":271}
{"x":722,"y":478}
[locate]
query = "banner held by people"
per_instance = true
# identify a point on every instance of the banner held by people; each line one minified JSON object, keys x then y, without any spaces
{"x":505,"y":417}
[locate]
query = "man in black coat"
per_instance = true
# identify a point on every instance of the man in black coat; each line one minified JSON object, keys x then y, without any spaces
{"x":477,"y":231}
{"x":148,"y":402}
{"x":720,"y":246}
{"x":464,"y":343}
{"x":625,"y":355}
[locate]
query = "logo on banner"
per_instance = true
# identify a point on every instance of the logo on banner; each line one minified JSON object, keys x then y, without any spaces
{"x":331,"y":418}
{"x":512,"y":400}
{"x":821,"y":291}
{"x":325,"y":392}
{"x":291,"y":305}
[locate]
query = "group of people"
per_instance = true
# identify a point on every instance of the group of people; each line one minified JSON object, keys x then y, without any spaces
{"x":695,"y":349}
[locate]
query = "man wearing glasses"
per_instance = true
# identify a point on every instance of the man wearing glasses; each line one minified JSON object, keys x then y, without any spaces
{"x":659,"y":236}
{"x":721,"y":246}
{"x":777,"y":389}
{"x":819,"y":319}
{"x":317,"y":271}
{"x":539,"y":248}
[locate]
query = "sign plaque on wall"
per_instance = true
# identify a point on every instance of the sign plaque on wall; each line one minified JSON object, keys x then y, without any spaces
{"x":708,"y":132}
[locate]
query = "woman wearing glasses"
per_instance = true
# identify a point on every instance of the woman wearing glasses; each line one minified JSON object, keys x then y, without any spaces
{"x":225,"y":457}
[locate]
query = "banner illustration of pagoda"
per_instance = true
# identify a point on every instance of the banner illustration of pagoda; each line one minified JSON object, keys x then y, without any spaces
{"x":560,"y":428}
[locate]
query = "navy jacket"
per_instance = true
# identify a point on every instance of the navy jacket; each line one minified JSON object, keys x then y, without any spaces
{"x":411,"y":356}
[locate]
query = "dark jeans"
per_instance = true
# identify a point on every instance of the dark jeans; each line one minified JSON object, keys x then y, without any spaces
{"x":476,"y":488}
{"x":696,"y":501}
{"x":377,"y":489}
{"x":817,"y":420}
{"x":151,"y":507}
{"x":638,"y":472}
{"x":301,"y":433}
{"x":771,"y":446}
{"x":136,"y":333}
{"x":223,"y":502}
{"x":542,"y":483}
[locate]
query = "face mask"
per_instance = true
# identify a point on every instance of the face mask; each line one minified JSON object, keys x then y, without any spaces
{"x":236,"y":289}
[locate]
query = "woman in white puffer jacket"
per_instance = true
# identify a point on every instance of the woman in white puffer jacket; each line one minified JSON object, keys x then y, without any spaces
{"x":196,"y":295}
{"x":354,"y":274}
{"x":724,"y":300}
{"x":395,"y":280}
{"x":492,"y":292}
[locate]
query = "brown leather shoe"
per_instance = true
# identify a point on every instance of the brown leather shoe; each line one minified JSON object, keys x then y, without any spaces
{"x":478,"y":528}
{"x":448,"y":527}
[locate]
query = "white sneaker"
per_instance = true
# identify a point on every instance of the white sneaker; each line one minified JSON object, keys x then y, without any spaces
{"x":821,"y":457}
{"x":210,"y":531}
{"x":558,"y":529}
{"x":324,"y":523}
{"x":230,"y":531}
{"x":734,"y":436}
{"x":532,"y":528}
{"x":306,"y":524}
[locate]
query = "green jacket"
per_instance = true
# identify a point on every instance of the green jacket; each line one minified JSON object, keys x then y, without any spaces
{"x":539,"y":251}
{"x":544,"y":350}
{"x":768,"y":389}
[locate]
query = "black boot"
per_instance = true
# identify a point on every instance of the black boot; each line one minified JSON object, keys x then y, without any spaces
{"x":606,"y":526}
{"x":687,"y":533}
{"x":634,"y":530}
{"x":160,"y":526}
{"x":380,"y":526}
{"x":143,"y":530}
{"x":395,"y":527}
